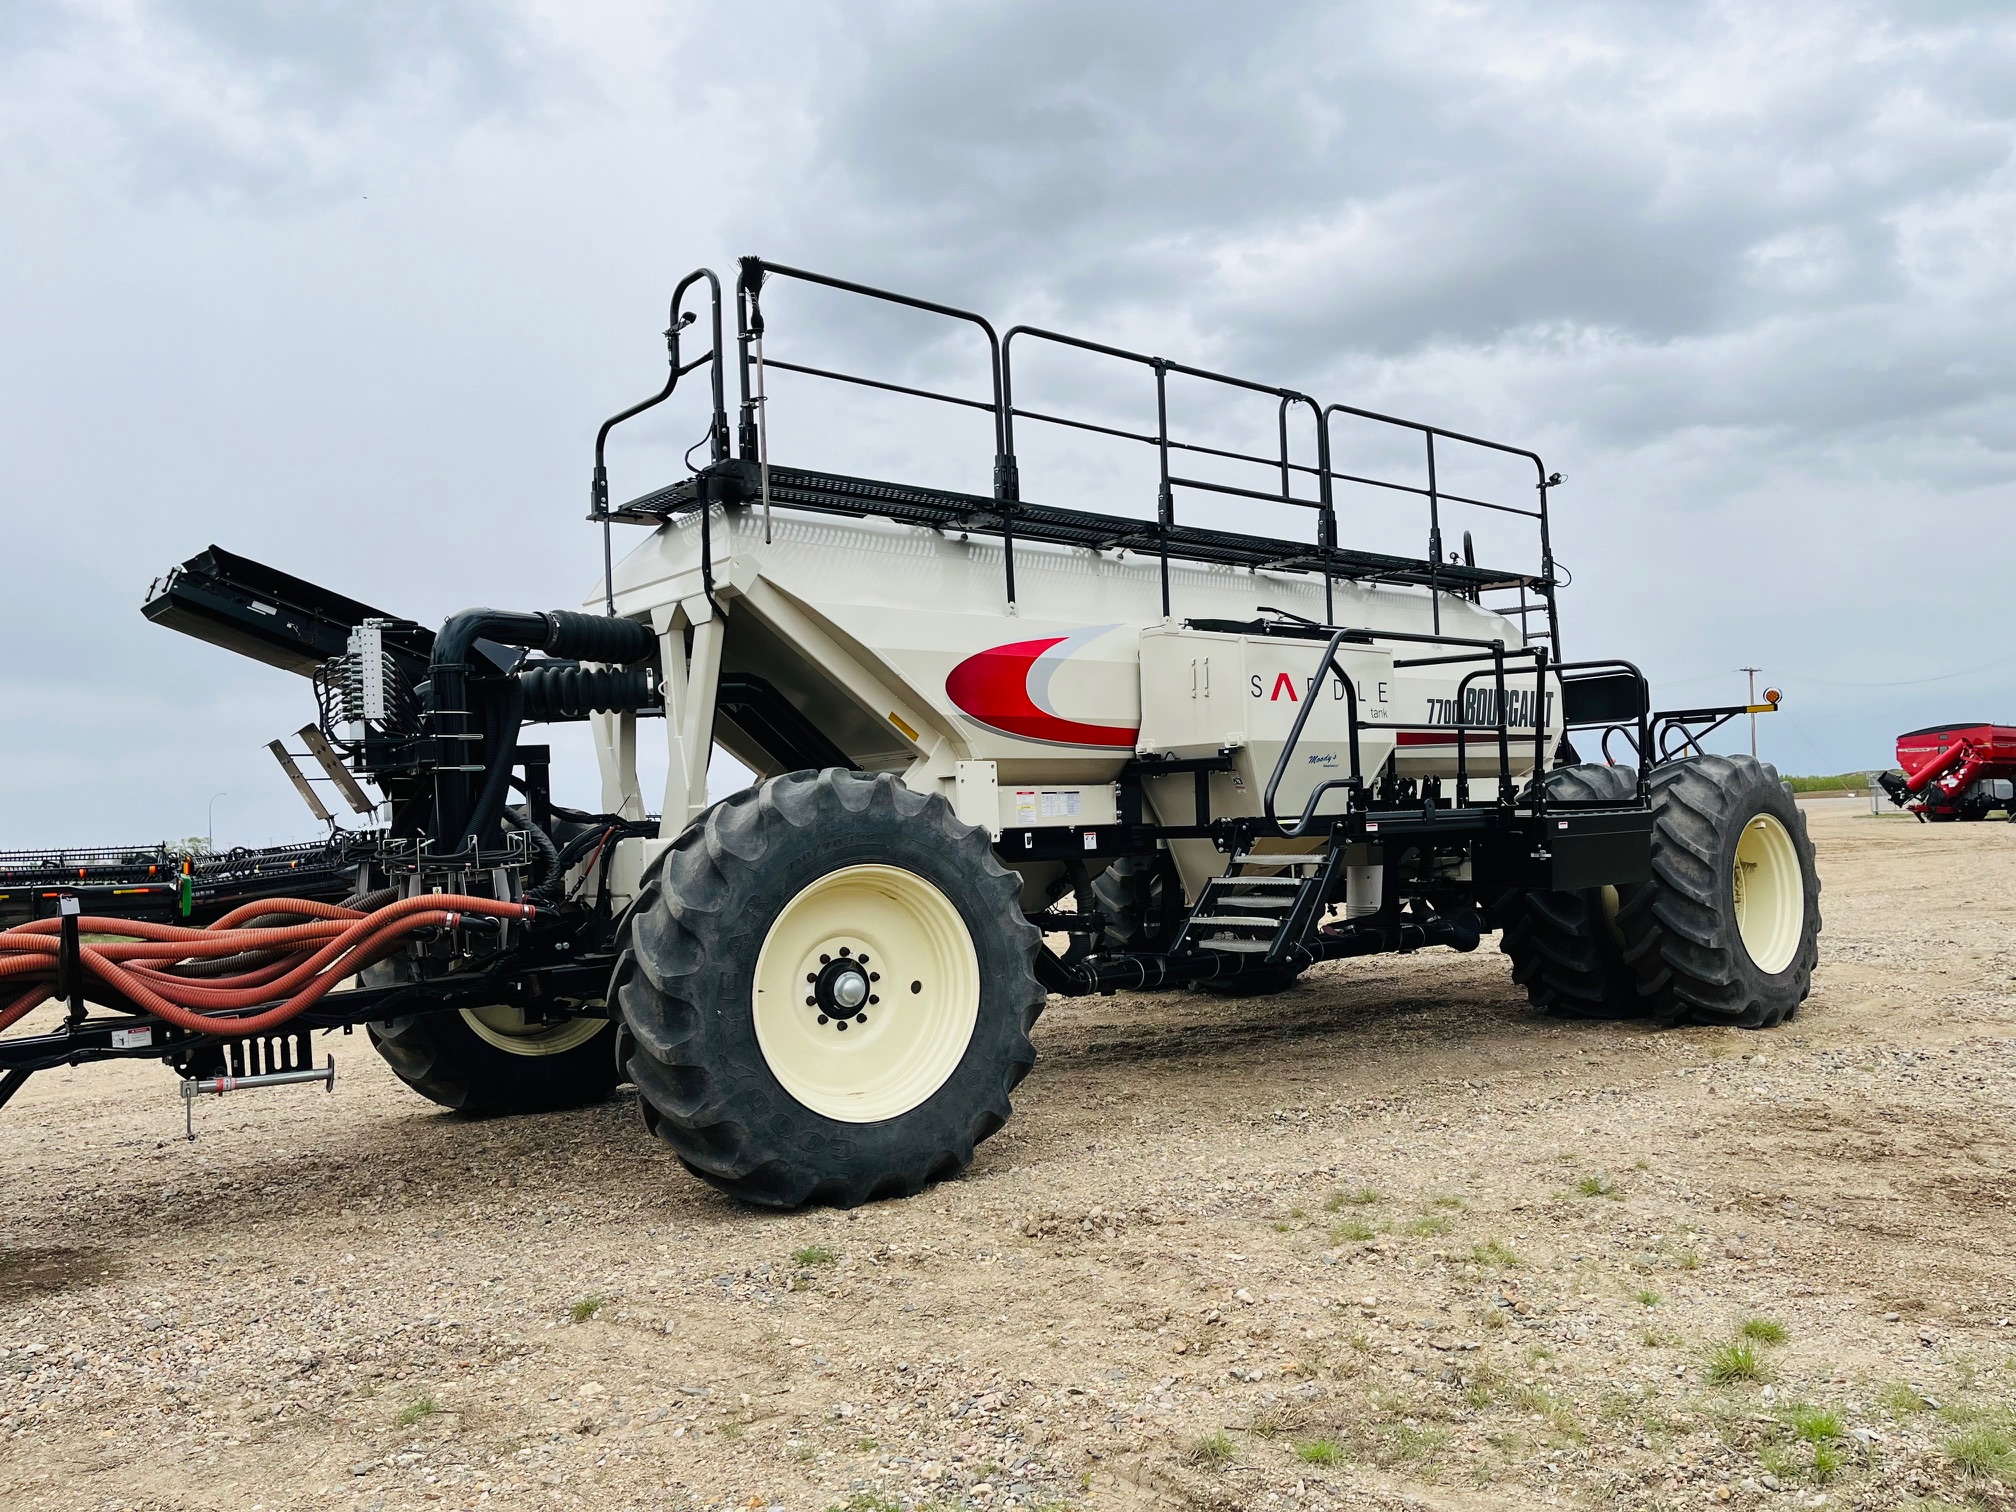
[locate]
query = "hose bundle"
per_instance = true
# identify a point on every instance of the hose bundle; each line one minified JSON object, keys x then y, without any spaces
{"x":270,"y":972}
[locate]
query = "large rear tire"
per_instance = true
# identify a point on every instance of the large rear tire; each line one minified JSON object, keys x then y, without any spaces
{"x":487,"y":1061}
{"x":1727,"y":930}
{"x":827,"y":991}
{"x":1566,"y":948}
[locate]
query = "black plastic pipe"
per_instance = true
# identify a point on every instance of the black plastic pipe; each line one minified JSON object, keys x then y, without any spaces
{"x":560,"y":632}
{"x":1144,"y":972}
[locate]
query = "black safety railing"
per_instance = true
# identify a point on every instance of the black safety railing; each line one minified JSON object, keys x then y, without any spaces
{"x":1165,"y":444}
{"x":717,"y":430}
{"x":1437,"y":496}
{"x":1304,"y":484}
{"x":1459,"y":730}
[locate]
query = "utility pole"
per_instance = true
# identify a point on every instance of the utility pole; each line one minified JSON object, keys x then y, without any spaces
{"x":1753,"y":671}
{"x":210,"y":820}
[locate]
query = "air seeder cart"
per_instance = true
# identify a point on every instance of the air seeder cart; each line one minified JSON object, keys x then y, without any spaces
{"x":1002,"y":748}
{"x":1954,"y":771}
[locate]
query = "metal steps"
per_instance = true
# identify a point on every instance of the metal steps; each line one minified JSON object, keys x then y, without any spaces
{"x":1279,"y":909}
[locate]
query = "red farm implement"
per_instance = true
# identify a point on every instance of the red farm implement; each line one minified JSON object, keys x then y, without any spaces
{"x":1957,"y":771}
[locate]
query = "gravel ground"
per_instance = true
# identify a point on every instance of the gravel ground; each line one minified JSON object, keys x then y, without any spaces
{"x":1388,"y":1240}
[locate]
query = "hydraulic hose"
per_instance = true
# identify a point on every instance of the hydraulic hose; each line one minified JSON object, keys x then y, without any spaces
{"x":313,"y":957}
{"x":549,"y":868}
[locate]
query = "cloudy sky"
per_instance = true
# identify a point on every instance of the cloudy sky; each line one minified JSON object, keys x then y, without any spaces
{"x":346,"y":285}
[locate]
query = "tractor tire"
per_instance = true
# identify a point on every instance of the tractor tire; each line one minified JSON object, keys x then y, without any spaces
{"x":1566,"y":949}
{"x":777,"y":1069}
{"x":1129,"y":895}
{"x":1727,"y":930}
{"x":488,"y":1061}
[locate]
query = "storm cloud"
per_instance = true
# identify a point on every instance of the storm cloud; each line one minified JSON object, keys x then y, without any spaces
{"x":348,"y":287}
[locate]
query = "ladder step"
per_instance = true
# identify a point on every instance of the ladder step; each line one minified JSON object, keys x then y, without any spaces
{"x":1258,"y":881}
{"x":1232,"y":921}
{"x":1237,"y":947}
{"x":1220,"y":900}
{"x":1247,"y":859}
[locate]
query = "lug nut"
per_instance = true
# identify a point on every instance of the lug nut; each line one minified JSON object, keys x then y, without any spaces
{"x":916,"y":987}
{"x":860,"y":1018}
{"x":843,"y":1026}
{"x":822,"y":1018}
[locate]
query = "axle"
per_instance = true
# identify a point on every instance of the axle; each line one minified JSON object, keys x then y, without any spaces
{"x":1358,"y":937}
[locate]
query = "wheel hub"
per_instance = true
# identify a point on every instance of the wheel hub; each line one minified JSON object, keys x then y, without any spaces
{"x":843,"y":987}
{"x":828,"y":962}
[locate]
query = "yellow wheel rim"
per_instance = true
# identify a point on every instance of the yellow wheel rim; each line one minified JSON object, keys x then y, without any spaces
{"x":1770,"y":893}
{"x":867,"y":992}
{"x":509,"y":1031}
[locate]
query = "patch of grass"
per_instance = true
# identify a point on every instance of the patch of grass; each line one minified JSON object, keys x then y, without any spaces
{"x":1846,"y":782}
{"x":1357,"y":1197}
{"x":1594,"y":1185}
{"x":586,"y":1308}
{"x":866,"y":1501}
{"x":1738,"y":1360}
{"x":1403,"y":1442}
{"x":424,"y":1407}
{"x":1272,"y":1421}
{"x":1973,"y":1414}
{"x":1427,"y":1226}
{"x":813,"y":1254}
{"x":1762,"y":1330}
{"x":1687,"y":1260}
{"x":1816,"y":1425}
{"x":866,"y":1445}
{"x":1492,"y":1318}
{"x":1354,"y":1229}
{"x":1319,"y":1451}
{"x":1985,"y":1454}
{"x":1828,"y":1460}
{"x":1900,"y":1401}
{"x":1491,"y":1252}
{"x":1213,"y":1450}
{"x":1655,"y":1337}
{"x":1455,"y":1204}
{"x":1646,"y":1297}
{"x":802,"y":1452}
{"x":1778,"y":1460}
{"x":731,"y":1430}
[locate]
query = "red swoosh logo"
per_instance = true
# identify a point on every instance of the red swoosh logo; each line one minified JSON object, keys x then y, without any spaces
{"x":992,"y":688}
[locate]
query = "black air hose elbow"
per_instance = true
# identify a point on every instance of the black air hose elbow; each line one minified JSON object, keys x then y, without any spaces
{"x":459,"y":813}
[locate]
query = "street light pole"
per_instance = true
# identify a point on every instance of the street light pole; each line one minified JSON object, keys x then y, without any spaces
{"x":210,"y":821}
{"x":1753,"y":671}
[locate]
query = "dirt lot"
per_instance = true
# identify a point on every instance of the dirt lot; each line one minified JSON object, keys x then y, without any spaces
{"x":1390,"y":1240}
